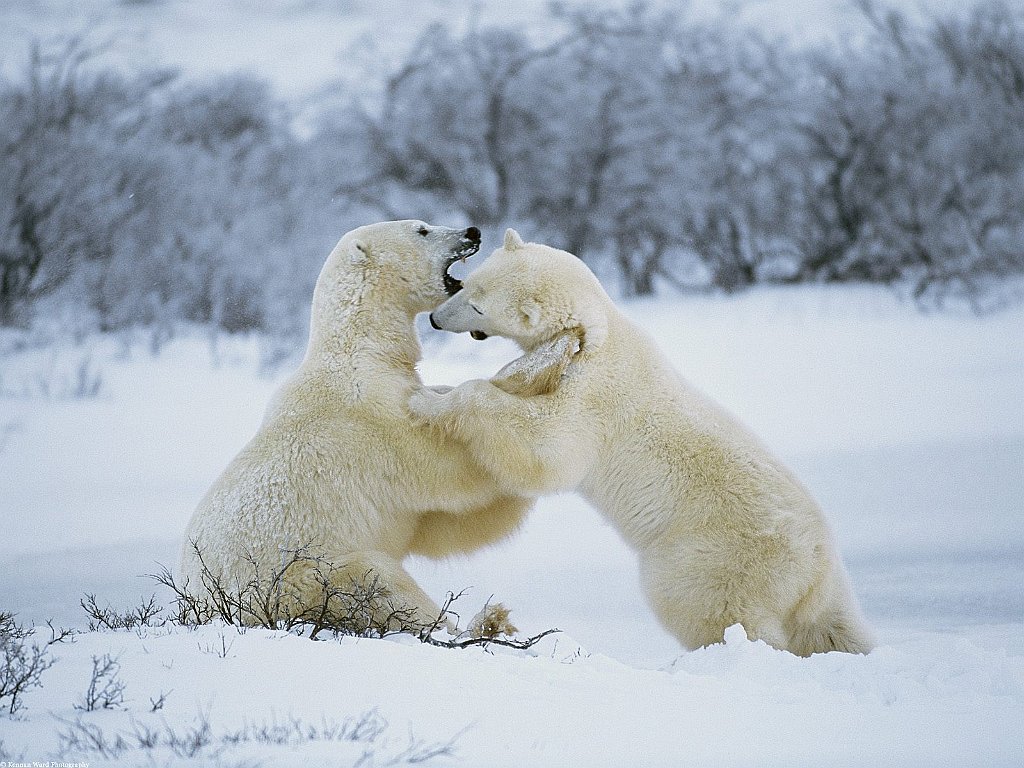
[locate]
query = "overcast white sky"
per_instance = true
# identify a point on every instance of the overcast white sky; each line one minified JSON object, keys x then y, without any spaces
{"x":297,"y":44}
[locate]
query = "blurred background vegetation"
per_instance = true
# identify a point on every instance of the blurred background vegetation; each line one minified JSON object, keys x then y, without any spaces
{"x":669,"y":153}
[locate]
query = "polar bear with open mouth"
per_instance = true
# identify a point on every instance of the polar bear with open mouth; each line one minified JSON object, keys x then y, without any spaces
{"x":337,"y":466}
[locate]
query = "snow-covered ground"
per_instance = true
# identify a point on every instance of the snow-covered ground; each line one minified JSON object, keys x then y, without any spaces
{"x":909,"y":428}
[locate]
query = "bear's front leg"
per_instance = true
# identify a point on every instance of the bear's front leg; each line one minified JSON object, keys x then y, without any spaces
{"x":539,"y":372}
{"x":530,"y":445}
{"x":429,"y":406}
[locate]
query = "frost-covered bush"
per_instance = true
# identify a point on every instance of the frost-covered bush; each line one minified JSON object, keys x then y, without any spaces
{"x":648,"y":140}
{"x":149,"y":200}
{"x":916,"y":141}
{"x":658,"y":147}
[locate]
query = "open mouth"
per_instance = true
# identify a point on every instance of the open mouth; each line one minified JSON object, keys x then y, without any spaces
{"x":478,"y":335}
{"x":466,"y":247}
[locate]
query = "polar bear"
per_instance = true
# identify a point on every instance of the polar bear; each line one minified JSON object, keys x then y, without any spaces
{"x":337,"y":468}
{"x":723,"y":532}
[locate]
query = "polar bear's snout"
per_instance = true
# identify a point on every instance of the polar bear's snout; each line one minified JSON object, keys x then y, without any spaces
{"x":478,"y":335}
{"x":467,"y":244}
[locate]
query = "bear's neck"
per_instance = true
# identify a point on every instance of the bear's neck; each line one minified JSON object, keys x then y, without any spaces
{"x":357,"y":329}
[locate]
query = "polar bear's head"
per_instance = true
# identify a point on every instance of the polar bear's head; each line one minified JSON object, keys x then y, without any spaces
{"x":410,"y":256}
{"x":529,"y":293}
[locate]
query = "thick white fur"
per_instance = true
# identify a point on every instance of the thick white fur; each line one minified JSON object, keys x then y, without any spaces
{"x":337,"y":465}
{"x":723,"y":531}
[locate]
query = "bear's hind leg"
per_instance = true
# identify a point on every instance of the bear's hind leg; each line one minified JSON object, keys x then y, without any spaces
{"x":829,"y":619}
{"x":838,"y":631}
{"x":403,"y":601}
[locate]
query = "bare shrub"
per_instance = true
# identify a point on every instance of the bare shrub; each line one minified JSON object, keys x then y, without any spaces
{"x":493,"y":623}
{"x":343,"y":605}
{"x":367,"y":728}
{"x":221,"y":649}
{"x":146,"y":614}
{"x":192,"y":741}
{"x":23,"y":662}
{"x":200,"y":741}
{"x":106,"y":689}
{"x":84,"y":738}
{"x":87,"y":380}
{"x":420,"y":751}
{"x":157,"y":703}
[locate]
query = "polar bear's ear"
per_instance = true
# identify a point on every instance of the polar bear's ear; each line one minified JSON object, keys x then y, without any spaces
{"x":531,"y":311}
{"x":513,"y":240}
{"x":360,"y":253}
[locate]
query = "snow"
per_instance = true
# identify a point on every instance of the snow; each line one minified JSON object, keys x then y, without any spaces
{"x":908,"y":427}
{"x":925,"y":700}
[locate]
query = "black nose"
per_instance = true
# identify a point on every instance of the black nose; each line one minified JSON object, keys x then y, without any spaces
{"x":473,"y":233}
{"x":433,"y":324}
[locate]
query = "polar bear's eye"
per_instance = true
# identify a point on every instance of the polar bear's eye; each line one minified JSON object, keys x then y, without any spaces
{"x":476,"y":309}
{"x":423,"y":231}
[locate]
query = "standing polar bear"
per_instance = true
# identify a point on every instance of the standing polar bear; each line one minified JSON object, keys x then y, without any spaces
{"x":337,"y":466}
{"x":723,"y":531}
